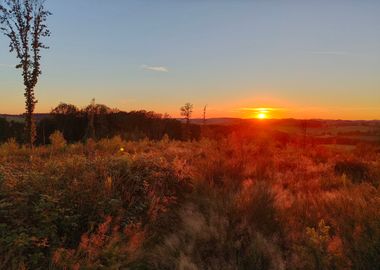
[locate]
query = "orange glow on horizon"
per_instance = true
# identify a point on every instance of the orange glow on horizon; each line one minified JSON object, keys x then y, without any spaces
{"x":262,"y":116}
{"x":260,"y":113}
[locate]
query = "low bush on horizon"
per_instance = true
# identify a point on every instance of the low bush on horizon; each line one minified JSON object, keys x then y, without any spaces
{"x":235,"y":203}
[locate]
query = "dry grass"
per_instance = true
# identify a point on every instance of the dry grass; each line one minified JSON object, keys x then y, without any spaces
{"x":236,"y":203}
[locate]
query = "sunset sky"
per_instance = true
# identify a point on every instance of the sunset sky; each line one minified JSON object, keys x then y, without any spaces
{"x":300,"y":59}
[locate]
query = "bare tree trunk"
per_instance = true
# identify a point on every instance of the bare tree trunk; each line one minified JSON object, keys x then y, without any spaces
{"x":30,"y":129}
{"x":30,"y":124}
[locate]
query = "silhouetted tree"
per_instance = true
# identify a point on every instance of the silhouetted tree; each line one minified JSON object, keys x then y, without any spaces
{"x":69,"y":120}
{"x":97,"y":120}
{"x":90,"y":111}
{"x":4,"y":127}
{"x":24,"y":23}
{"x":65,"y":109}
{"x":10,"y":129}
{"x":187,"y":111}
{"x":204,"y":114}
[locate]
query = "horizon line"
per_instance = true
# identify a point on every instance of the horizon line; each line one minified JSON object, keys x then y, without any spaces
{"x":231,"y":118}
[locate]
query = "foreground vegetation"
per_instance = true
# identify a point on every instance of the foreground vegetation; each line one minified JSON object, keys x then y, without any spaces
{"x":235,"y":203}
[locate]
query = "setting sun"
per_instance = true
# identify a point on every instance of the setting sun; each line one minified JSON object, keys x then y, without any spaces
{"x":261,"y":113}
{"x":261,"y":116}
{"x":258,"y":113}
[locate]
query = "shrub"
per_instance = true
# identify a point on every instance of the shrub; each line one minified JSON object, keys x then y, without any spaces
{"x":256,"y":205}
{"x":57,"y":140}
{"x":9,"y":149}
{"x":355,"y":170}
{"x":317,"y":243}
{"x":106,"y":247}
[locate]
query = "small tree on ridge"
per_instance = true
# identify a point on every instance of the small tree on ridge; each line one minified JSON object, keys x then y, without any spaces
{"x":187,"y":111}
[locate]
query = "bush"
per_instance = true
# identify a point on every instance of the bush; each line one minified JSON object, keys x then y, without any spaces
{"x":355,"y":170}
{"x":57,"y":141}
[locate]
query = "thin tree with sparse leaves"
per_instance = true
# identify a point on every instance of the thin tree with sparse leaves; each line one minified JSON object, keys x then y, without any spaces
{"x":24,"y":23}
{"x":186,"y":112}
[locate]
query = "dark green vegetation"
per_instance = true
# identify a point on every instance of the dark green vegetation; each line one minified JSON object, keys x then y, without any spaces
{"x":233,"y":203}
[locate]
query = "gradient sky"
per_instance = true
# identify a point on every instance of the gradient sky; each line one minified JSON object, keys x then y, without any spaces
{"x":305,"y":58}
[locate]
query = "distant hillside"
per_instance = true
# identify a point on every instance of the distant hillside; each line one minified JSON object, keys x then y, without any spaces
{"x":140,"y":124}
{"x":286,"y":121}
{"x":20,"y":118}
{"x":237,"y":121}
{"x":216,"y":121}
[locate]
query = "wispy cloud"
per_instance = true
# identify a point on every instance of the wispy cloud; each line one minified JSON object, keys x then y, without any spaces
{"x":330,"y":52}
{"x":155,"y":68}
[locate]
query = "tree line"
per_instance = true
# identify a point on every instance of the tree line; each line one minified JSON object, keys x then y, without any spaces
{"x":98,"y":121}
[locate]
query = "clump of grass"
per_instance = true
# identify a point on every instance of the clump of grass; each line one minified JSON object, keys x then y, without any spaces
{"x":324,"y":250}
{"x":57,"y":141}
{"x":9,"y":149}
{"x":357,"y":171}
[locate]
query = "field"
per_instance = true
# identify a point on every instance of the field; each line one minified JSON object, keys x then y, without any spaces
{"x":234,"y":203}
{"x":189,"y":135}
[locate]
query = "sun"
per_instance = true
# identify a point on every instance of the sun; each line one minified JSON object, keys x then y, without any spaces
{"x":261,"y":115}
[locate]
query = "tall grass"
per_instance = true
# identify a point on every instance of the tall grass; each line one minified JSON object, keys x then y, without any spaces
{"x":236,"y":203}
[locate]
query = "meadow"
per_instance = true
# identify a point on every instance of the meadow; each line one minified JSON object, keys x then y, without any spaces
{"x":238,"y":202}
{"x":258,"y":174}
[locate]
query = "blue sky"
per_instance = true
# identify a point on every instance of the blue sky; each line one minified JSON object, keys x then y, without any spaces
{"x":306,"y":59}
